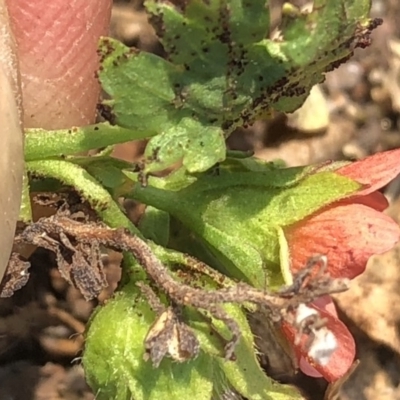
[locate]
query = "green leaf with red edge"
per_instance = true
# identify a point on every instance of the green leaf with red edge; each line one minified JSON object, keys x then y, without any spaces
{"x":375,"y":171}
{"x":348,"y":232}
{"x":238,"y":213}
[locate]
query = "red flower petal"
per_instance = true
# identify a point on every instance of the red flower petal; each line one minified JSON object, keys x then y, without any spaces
{"x":375,"y":171}
{"x":324,"y":303}
{"x":340,"y":361}
{"x":375,"y":200}
{"x":308,"y":370}
{"x":347,"y":234}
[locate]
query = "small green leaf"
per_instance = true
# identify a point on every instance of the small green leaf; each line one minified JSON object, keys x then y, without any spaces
{"x":177,"y":180}
{"x":183,"y":142}
{"x":113,"y":357}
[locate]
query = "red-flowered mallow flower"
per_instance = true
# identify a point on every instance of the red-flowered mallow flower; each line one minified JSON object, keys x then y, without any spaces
{"x":263,"y":223}
{"x":348,"y":232}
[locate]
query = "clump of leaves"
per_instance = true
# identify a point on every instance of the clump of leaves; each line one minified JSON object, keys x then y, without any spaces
{"x":222,"y":71}
{"x":233,"y":212}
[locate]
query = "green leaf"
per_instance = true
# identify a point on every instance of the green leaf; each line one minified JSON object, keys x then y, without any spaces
{"x":244,"y":374}
{"x":114,"y":365}
{"x":153,"y":108}
{"x":154,"y":224}
{"x":181,"y":141}
{"x":239,"y":214}
{"x":222,"y":72}
{"x":113,"y":357}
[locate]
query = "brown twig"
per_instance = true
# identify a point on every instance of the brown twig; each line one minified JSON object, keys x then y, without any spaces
{"x":59,"y":232}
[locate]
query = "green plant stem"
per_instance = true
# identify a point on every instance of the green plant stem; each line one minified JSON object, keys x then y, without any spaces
{"x":87,"y":186}
{"x":162,"y":199}
{"x":98,"y":198}
{"x":41,"y":144}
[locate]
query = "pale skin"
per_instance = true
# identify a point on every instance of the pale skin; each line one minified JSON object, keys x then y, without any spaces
{"x":47,"y":80}
{"x":57,"y":42}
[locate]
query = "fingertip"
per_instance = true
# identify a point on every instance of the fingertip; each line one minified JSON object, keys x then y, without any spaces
{"x":57,"y":43}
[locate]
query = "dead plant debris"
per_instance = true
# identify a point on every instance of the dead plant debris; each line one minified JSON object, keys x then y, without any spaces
{"x":77,"y":248}
{"x":16,"y":276}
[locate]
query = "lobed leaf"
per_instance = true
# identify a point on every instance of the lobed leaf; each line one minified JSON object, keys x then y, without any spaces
{"x":222,"y":71}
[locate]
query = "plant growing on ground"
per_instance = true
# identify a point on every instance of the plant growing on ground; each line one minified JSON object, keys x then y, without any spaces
{"x":223,"y":234}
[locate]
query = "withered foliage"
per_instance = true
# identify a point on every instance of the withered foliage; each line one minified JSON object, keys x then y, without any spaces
{"x":77,"y":246}
{"x":168,"y":335}
{"x":16,"y":277}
